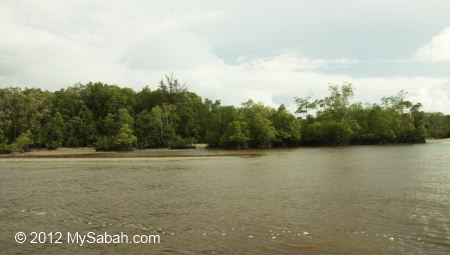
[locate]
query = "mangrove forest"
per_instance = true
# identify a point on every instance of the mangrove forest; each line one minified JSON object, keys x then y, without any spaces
{"x":109,"y":117}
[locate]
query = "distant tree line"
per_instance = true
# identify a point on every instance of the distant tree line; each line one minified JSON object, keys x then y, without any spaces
{"x":114,"y":118}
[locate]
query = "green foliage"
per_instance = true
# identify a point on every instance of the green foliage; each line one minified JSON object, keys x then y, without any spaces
{"x":4,"y":146}
{"x":304,"y":105}
{"x":115,"y":118}
{"x":288,"y":128}
{"x":53,"y":132}
{"x":261,"y":130}
{"x":179,"y":142}
{"x":148,"y":128}
{"x":114,"y":121}
{"x":262,"y":133}
{"x":124,"y":140}
{"x":104,"y":143}
{"x":80,"y":130}
{"x":3,"y":138}
{"x":22,"y":142}
{"x":339,"y":123}
{"x":156,"y":128}
{"x":437,"y":125}
{"x":236,"y":135}
{"x":216,"y":121}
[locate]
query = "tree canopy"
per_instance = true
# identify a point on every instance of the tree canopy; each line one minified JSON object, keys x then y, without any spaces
{"x":110,"y":117}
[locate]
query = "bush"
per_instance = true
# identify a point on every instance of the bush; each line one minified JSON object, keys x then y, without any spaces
{"x":104,"y":143}
{"x":125,"y":140}
{"x":5,"y":148}
{"x":179,"y":142}
{"x":235,"y":136}
{"x":22,"y":142}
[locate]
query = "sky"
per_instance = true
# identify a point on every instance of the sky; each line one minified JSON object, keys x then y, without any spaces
{"x":269,"y":51}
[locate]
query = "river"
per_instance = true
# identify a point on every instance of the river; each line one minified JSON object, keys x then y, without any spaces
{"x":392,"y":199}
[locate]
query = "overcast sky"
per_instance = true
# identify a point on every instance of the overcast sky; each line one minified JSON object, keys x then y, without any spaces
{"x":270,"y":51}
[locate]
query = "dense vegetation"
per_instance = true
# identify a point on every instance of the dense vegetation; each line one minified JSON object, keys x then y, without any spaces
{"x":114,"y":118}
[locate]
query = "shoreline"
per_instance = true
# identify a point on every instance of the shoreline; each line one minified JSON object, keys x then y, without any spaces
{"x":90,"y":152}
{"x":200,"y":151}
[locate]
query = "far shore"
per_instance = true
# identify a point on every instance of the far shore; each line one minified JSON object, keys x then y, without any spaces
{"x":90,"y":152}
{"x":199,"y":151}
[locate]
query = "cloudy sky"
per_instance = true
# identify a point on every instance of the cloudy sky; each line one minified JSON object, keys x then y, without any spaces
{"x":270,"y":51}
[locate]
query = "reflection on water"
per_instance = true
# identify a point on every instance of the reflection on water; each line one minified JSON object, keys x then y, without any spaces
{"x":346,"y":200}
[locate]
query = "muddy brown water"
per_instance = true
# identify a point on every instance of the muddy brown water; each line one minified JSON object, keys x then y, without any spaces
{"x":342,"y":200}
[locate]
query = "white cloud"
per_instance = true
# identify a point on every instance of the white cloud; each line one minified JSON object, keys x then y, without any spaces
{"x":434,"y":99}
{"x":438,"y":49}
{"x":285,"y":61}
{"x":53,"y":46}
{"x":237,"y":83}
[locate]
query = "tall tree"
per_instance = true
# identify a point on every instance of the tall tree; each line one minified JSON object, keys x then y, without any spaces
{"x":124,"y":140}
